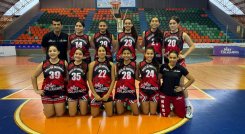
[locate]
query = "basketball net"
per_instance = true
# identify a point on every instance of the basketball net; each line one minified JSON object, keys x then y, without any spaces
{"x":115,"y":6}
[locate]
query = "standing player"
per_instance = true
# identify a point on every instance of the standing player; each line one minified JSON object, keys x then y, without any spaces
{"x":174,"y":40}
{"x":153,"y":38}
{"x":127,"y":38}
{"x":125,"y":87}
{"x":171,"y":91}
{"x":105,"y":38}
{"x":101,"y":79}
{"x":147,"y":73}
{"x":77,"y":88}
{"x":79,"y":40}
{"x":52,"y":92}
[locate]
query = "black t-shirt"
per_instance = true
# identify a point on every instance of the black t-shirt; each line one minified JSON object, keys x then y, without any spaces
{"x":171,"y":78}
{"x":60,"y":41}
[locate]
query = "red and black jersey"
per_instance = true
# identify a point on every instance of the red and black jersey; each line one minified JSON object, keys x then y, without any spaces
{"x":126,"y":78}
{"x":103,"y":40}
{"x":54,"y":78}
{"x":149,"y":76}
{"x":101,"y":76}
{"x":77,"y":78}
{"x":151,"y":40}
{"x":76,"y":41}
{"x":173,"y":41}
{"x":126,"y":40}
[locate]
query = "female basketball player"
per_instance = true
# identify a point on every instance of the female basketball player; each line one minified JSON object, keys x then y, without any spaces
{"x":153,"y":38}
{"x":52,"y":92}
{"x":127,"y":38}
{"x":77,"y":88}
{"x":105,"y":38}
{"x":147,"y":72}
{"x":101,"y":79}
{"x":125,"y":87}
{"x":174,"y":40}
{"x":171,"y":91}
{"x":79,"y":40}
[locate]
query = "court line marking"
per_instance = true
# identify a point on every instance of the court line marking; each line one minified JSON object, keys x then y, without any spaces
{"x":19,"y":122}
{"x":211,"y":97}
{"x":18,"y":91}
{"x":174,"y":127}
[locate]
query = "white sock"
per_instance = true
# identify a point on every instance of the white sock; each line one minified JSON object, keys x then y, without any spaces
{"x":187,"y":102}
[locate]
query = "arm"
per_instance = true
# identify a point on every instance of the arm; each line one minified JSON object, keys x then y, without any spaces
{"x":44,"y":43}
{"x":91,"y":41}
{"x":141,"y":44}
{"x":68,"y":49}
{"x":34,"y":76}
{"x":138,"y":75}
{"x":190,"y":43}
{"x":91,"y":86}
{"x":67,"y":75}
{"x":187,"y":84}
{"x":106,"y":96}
{"x":114,"y":44}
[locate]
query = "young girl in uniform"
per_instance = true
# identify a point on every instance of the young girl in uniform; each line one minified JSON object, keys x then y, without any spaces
{"x":79,"y":40}
{"x":147,"y":73}
{"x":127,"y":38}
{"x":125,"y":87}
{"x":174,"y":40}
{"x":53,"y":87}
{"x":105,"y":38}
{"x":101,"y":79}
{"x":77,"y":89}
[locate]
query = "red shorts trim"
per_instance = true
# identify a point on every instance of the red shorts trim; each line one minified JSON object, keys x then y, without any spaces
{"x":53,"y":100}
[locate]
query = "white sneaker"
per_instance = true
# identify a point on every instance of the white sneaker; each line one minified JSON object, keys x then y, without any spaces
{"x":189,"y":112}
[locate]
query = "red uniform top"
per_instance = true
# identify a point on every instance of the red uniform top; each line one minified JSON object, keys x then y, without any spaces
{"x":173,"y":41}
{"x":101,"y":76}
{"x":126,"y":40}
{"x":149,"y":78}
{"x":126,"y":78}
{"x":103,"y":40}
{"x":151,"y":40}
{"x":77,"y":78}
{"x":76,"y":41}
{"x":54,"y":78}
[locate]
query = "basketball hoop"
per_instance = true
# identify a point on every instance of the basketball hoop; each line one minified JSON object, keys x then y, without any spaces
{"x":115,"y":6}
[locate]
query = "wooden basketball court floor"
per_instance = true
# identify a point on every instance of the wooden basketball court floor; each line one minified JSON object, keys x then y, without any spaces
{"x":217,"y":96}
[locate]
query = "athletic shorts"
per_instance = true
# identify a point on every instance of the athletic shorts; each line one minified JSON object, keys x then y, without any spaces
{"x":178,"y":103}
{"x":148,"y":96}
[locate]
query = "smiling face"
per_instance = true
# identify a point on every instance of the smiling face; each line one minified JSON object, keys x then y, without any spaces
{"x":53,"y":52}
{"x":101,"y":52}
{"x":149,"y":54}
{"x":78,"y":55}
{"x":126,"y":55}
{"x":154,"y":23}
{"x":128,"y":24}
{"x":173,"y":58}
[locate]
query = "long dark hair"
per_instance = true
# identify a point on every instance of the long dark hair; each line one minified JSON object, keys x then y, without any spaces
{"x":133,"y":30}
{"x":106,"y":31}
{"x":159,"y":33}
{"x":83,"y":24}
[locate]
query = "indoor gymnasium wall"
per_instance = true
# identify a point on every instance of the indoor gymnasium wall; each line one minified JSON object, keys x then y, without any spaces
{"x":172,"y":3}
{"x":67,"y":3}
